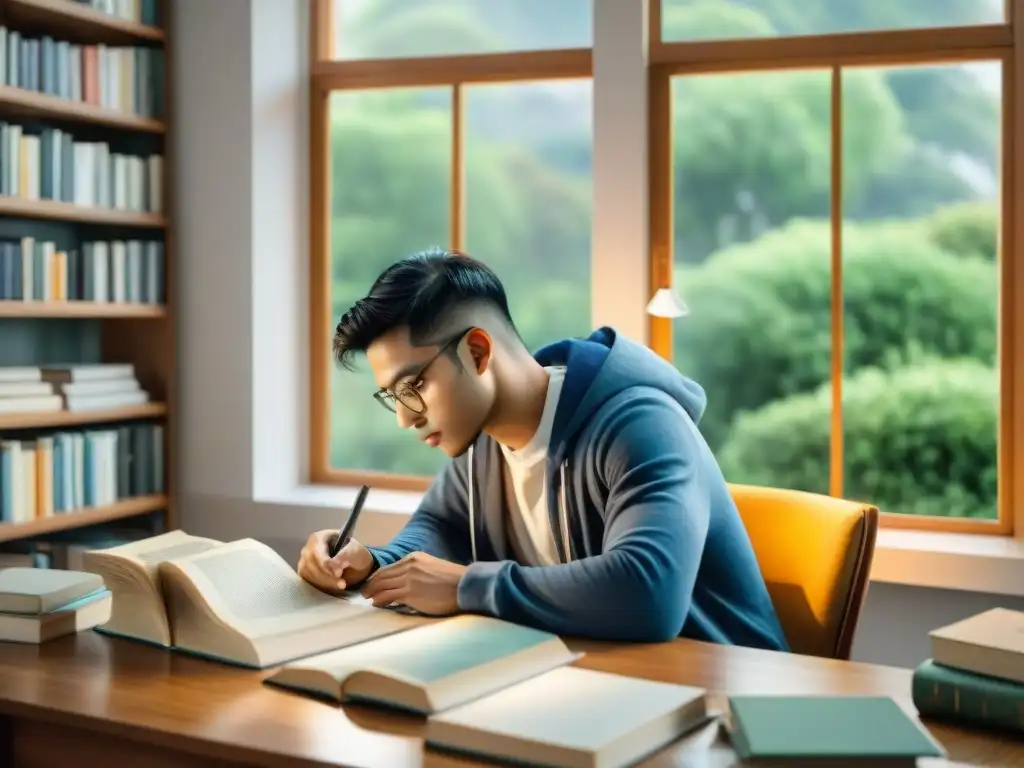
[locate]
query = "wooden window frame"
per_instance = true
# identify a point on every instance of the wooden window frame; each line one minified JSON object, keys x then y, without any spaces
{"x":839,"y":52}
{"x":836,"y":52}
{"x":328,"y":75}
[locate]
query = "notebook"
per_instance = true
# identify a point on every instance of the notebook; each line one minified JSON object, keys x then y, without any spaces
{"x":236,"y":602}
{"x":827,"y":731}
{"x":571,"y":717}
{"x":430,"y":668}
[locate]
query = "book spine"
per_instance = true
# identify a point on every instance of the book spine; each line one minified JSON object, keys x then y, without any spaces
{"x":952,"y":694}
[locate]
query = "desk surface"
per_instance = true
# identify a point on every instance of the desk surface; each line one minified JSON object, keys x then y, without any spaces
{"x":135,"y":692}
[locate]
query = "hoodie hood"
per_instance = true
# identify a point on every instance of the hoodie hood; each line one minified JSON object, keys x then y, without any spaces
{"x":600,"y":367}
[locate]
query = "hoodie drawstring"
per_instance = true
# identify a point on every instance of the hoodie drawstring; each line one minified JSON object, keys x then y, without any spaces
{"x":563,"y":510}
{"x":563,"y":514}
{"x":471,"y":491}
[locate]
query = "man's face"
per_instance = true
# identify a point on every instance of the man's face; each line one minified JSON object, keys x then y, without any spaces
{"x":441,"y":391}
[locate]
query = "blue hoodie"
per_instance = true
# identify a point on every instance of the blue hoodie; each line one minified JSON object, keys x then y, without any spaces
{"x":651,"y":544}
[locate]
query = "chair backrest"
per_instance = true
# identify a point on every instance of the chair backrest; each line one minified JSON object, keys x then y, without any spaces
{"x":815,"y":555}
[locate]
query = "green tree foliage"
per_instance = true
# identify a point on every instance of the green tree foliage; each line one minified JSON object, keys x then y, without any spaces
{"x":394,"y":153}
{"x":752,"y":161}
{"x":918,"y":439}
{"x":752,"y":175}
{"x":969,"y":229}
{"x":759,"y":328}
{"x":797,"y":17}
{"x":711,"y":20}
{"x":393,"y":28}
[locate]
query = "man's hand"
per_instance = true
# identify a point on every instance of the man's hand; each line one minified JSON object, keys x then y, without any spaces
{"x":333,"y":575}
{"x":420,"y":581}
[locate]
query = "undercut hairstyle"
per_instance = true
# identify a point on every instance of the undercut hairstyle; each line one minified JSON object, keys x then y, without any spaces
{"x":430,"y":292}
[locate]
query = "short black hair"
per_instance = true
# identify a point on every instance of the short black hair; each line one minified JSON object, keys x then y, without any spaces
{"x":420,"y":291}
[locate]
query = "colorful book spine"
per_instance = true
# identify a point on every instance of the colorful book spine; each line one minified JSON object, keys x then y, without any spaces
{"x":143,"y":11}
{"x":114,"y":272}
{"x":62,"y":472}
{"x":47,"y":163}
{"x":120,"y":78}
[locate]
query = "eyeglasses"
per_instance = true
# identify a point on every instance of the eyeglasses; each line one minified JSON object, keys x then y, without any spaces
{"x":407,"y":394}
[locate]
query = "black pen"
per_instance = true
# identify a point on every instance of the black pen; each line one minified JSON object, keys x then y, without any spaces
{"x":350,"y":525}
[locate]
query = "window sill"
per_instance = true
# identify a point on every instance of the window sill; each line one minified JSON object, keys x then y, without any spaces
{"x":973,"y":563}
{"x":335,"y":497}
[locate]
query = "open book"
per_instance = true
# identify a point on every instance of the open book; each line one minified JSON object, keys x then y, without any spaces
{"x":131,"y":573}
{"x":431,"y":668}
{"x":238,"y":602}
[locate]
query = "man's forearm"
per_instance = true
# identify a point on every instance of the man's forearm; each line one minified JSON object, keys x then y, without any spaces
{"x":612,"y":596}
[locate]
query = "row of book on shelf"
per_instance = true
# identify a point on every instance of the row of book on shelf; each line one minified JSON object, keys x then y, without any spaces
{"x":117,"y":271}
{"x":66,"y":471}
{"x":141,"y":11}
{"x":122,"y":78}
{"x":485,"y":686}
{"x":47,"y":163}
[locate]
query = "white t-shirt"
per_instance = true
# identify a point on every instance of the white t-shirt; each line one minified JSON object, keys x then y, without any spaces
{"x":526,"y":494}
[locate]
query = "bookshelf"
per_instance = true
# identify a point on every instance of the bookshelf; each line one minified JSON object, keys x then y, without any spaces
{"x":85,"y":251}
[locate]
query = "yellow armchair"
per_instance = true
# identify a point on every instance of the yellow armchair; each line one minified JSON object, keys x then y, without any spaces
{"x":815,"y":555}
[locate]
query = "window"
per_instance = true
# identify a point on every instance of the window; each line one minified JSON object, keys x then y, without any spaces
{"x":831,"y":194}
{"x":415,"y":147}
{"x":835,"y":223}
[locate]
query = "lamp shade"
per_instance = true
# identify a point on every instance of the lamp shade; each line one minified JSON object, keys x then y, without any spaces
{"x":667,"y":303}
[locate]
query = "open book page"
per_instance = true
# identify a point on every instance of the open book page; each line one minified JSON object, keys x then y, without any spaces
{"x":248,"y":588}
{"x":152,"y":551}
{"x":437,"y":666}
{"x":131,"y":572}
{"x":449,"y":663}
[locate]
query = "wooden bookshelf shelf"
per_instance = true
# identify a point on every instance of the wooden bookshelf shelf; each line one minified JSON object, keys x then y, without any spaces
{"x":69,"y":247}
{"x":54,"y":211}
{"x":21,"y":103}
{"x":79,"y":23}
{"x":83,"y":309}
{"x":70,"y":520}
{"x":49,"y":419}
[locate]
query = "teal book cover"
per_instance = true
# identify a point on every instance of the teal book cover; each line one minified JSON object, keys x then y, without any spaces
{"x":824,"y":727}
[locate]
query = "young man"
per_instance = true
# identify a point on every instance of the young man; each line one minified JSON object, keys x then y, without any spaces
{"x":580,"y":499}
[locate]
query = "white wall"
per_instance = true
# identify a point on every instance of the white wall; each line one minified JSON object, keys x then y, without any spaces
{"x":240,"y":136}
{"x":241,"y":192}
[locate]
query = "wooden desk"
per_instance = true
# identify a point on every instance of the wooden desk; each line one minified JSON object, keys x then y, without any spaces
{"x":91,"y":700}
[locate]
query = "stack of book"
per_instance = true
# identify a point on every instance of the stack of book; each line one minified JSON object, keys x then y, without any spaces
{"x":976,"y":673}
{"x":40,"y":389}
{"x":39,"y":604}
